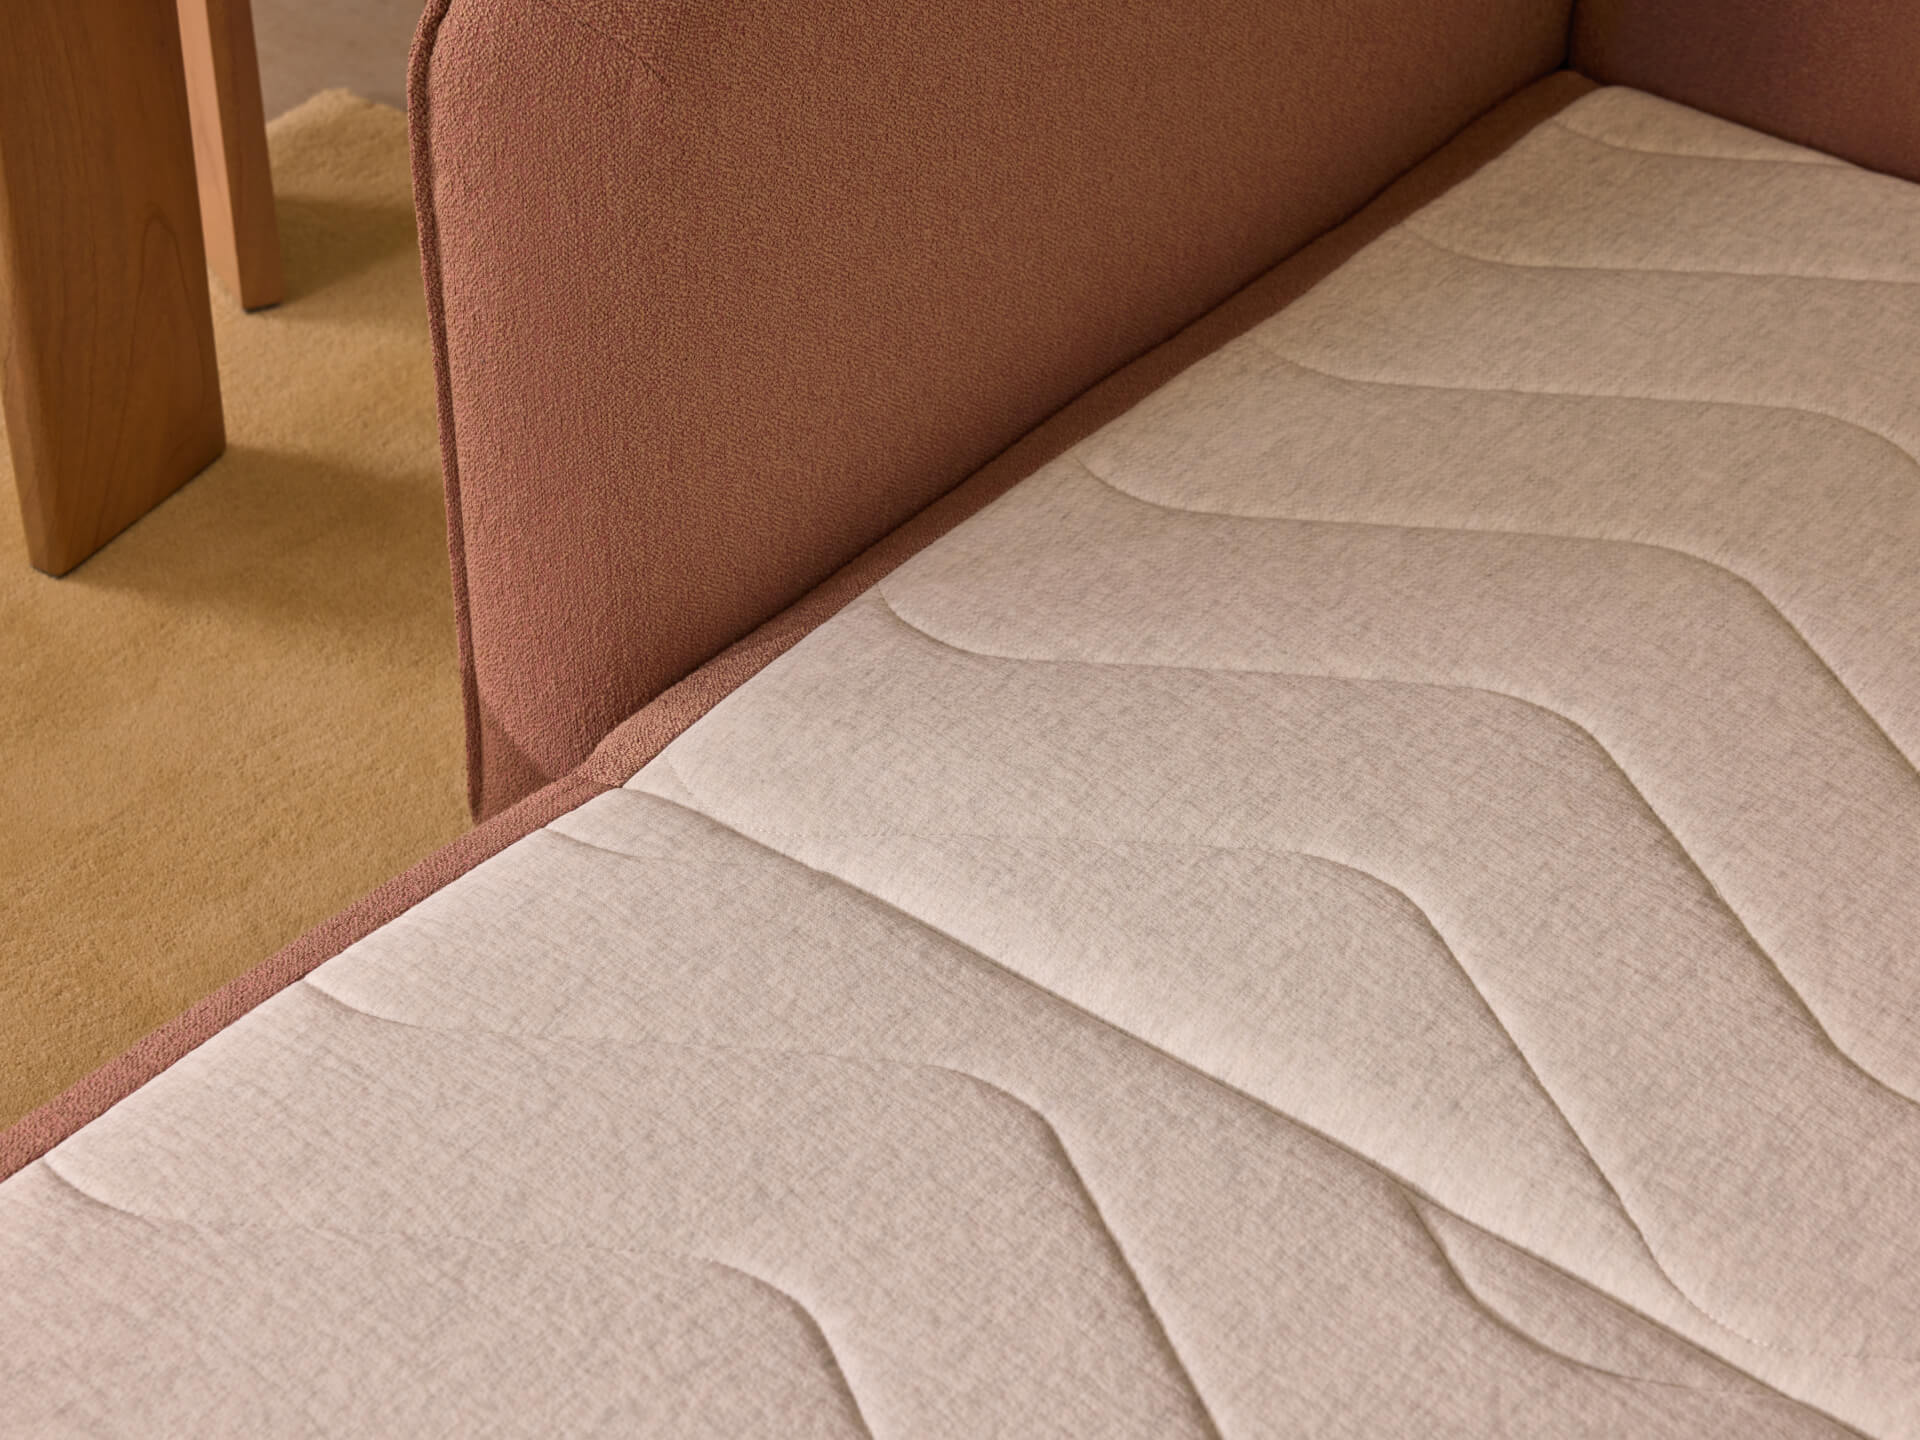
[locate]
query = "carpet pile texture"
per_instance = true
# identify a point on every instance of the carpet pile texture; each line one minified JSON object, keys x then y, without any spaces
{"x":245,"y":711}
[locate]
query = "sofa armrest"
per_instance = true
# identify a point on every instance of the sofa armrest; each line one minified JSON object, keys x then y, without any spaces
{"x":721,"y":294}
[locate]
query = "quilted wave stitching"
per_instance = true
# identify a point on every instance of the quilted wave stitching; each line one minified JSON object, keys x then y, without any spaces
{"x":1279,"y":352}
{"x":1554,"y":716}
{"x":1267,"y":343}
{"x":767,"y":839}
{"x":1409,"y":227}
{"x":1513,"y":1327}
{"x":1691,"y":556}
{"x":1408,"y":1190}
{"x":313,"y":985}
{"x":785,"y":1297}
{"x":1810,"y":157}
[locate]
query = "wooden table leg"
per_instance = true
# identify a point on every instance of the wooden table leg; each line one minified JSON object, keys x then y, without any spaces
{"x":230,"y":148}
{"x":111,"y":390}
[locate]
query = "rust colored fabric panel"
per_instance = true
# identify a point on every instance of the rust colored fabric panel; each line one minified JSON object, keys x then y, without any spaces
{"x":1840,"y":75}
{"x":725,"y":294}
{"x":37,"y":1132}
{"x":645,"y":733}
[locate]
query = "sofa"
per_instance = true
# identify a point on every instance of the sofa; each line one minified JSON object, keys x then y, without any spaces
{"x":1185,"y":719}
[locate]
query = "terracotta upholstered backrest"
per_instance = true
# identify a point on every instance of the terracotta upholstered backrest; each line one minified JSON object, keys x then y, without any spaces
{"x":724,"y":292}
{"x":1839,"y":75}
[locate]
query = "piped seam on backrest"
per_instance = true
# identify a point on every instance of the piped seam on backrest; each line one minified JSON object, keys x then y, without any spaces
{"x":420,"y":142}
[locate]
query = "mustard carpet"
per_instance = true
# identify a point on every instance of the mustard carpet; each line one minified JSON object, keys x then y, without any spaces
{"x":245,"y":712}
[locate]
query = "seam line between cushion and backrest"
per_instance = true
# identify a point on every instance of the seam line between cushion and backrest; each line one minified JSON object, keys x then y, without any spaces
{"x":1539,"y":97}
{"x":623,"y":752}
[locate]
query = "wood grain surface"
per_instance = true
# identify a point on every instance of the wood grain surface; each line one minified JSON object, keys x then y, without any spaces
{"x":111,"y":390}
{"x":230,"y":149}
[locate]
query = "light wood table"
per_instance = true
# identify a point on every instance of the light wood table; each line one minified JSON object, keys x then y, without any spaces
{"x":111,"y":389}
{"x":230,"y":148}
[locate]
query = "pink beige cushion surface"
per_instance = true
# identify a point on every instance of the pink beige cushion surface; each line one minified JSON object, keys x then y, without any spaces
{"x":1371,"y":896}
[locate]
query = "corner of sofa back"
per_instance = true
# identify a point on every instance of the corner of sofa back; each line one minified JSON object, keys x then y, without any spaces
{"x":1842,"y":76}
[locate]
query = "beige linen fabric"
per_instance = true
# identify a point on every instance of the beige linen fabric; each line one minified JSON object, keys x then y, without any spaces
{"x":1374,"y":896}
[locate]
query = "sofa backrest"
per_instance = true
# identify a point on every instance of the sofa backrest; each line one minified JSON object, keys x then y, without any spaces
{"x":724,"y":292}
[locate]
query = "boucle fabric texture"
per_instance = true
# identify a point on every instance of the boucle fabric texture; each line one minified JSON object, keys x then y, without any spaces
{"x":1368,"y":897}
{"x":723,"y":294}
